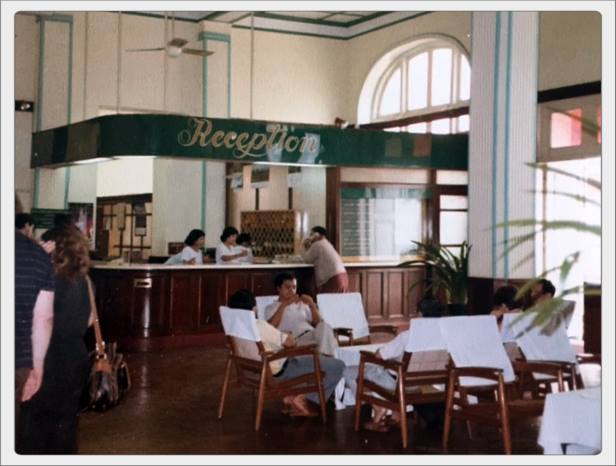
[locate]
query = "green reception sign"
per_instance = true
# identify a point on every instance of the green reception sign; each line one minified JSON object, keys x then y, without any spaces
{"x":236,"y":140}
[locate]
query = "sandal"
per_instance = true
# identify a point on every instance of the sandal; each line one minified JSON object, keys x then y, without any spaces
{"x":376,"y":426}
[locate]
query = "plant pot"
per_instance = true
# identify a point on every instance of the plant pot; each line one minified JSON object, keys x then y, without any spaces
{"x":457,"y":309}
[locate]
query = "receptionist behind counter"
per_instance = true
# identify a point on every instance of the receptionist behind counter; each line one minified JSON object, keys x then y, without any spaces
{"x":192,"y":253}
{"x":228,"y":252}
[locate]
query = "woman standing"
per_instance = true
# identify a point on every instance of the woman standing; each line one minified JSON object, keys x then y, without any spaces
{"x":227,"y":252}
{"x":191,"y":254}
{"x":51,"y":417}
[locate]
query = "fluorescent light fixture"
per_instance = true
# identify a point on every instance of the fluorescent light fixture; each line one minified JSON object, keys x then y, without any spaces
{"x":287,"y":164}
{"x":94,"y":160}
{"x":120,"y":157}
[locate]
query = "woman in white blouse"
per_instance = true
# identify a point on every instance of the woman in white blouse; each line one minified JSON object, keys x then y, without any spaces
{"x":227,"y":251}
{"x":191,"y":254}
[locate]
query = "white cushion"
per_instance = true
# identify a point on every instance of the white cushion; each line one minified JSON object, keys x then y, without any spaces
{"x":344,"y":310}
{"x":239,"y":323}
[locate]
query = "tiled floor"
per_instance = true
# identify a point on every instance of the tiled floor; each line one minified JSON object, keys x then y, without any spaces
{"x":171,"y":409}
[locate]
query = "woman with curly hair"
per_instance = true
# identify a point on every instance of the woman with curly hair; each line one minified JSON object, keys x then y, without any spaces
{"x":52,"y":414}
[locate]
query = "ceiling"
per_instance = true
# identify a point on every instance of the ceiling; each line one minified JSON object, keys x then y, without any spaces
{"x":334,"y":24}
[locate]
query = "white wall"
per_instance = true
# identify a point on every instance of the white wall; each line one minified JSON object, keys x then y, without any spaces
{"x":124,"y":177}
{"x":26,"y":53}
{"x":569,"y":48}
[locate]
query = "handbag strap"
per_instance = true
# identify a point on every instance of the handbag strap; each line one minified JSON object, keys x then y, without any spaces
{"x":100,"y":344}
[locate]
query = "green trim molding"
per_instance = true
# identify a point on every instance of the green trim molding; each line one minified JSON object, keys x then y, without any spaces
{"x":238,"y":140}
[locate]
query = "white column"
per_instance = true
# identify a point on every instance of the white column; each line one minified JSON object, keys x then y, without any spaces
{"x":502,"y":142}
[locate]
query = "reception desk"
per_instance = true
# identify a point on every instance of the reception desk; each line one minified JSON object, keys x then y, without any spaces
{"x":151,"y":306}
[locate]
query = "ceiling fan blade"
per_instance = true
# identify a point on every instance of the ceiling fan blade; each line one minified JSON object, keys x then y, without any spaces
{"x":177,"y":42}
{"x":145,"y":50}
{"x":201,"y":53}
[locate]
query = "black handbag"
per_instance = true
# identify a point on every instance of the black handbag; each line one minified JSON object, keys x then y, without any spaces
{"x":109,"y":376}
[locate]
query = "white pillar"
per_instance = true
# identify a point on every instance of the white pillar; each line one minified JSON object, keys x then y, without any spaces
{"x":502,"y":141}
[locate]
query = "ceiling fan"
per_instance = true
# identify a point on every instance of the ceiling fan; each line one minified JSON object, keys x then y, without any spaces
{"x":175,"y":46}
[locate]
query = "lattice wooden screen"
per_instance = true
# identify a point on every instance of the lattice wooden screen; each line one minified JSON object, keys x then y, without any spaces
{"x":273,"y":232}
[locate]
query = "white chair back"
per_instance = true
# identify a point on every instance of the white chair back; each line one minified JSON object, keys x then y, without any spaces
{"x":344,"y":310}
{"x":425,"y":335}
{"x":507,"y":335}
{"x":262,"y":303}
{"x":239,"y":323}
{"x":539,"y":346}
{"x":474,"y":341}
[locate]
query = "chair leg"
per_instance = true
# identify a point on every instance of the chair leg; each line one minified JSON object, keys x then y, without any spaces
{"x":225,"y":389}
{"x":318,"y":375}
{"x":402,"y":407}
{"x":448,"y":410}
{"x":504,"y":415}
{"x":360,"y":391}
{"x":261,"y":397}
{"x":465,"y":403}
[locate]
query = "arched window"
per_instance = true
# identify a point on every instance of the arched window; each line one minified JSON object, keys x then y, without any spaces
{"x":425,"y":76}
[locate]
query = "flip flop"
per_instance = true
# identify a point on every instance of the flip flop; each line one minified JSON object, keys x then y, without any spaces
{"x":309,"y":413}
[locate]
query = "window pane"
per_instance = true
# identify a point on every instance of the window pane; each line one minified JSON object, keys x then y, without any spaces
{"x":453,"y":227}
{"x":463,"y":124}
{"x":440,"y":126}
{"x":390,"y":100}
{"x":418,"y":82}
{"x":566,"y":131}
{"x":465,"y":78}
{"x":418,"y":128}
{"x":453,"y":202}
{"x":441,"y":76}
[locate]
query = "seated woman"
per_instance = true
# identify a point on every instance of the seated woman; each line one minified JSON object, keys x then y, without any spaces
{"x":227,"y":251}
{"x":275,"y":340}
{"x":191,"y":254}
{"x":298,"y":315}
{"x":244,"y":242}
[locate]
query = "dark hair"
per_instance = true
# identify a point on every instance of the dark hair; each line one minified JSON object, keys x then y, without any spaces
{"x":228,"y":231}
{"x":242,"y":299}
{"x":71,"y":257}
{"x":193,"y":236}
{"x":243,"y":238}
{"x":21,"y":220}
{"x":320,"y":230}
{"x":547,"y":287}
{"x":430,"y":307}
{"x":505,"y":295}
{"x":283,"y":277}
{"x":62,"y":220}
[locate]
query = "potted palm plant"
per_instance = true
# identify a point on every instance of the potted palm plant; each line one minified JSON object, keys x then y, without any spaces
{"x":446,"y":273}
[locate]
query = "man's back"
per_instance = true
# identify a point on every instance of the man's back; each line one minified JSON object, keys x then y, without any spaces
{"x":33,"y":273}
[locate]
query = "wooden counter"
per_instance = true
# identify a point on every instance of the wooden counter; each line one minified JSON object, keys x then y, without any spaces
{"x":153,"y":306}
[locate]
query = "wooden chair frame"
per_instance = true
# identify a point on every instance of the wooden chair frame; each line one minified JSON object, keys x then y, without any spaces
{"x":507,"y":407}
{"x":402,"y":396}
{"x":258,"y":375}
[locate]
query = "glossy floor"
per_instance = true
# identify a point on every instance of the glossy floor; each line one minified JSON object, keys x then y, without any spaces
{"x":171,"y":409}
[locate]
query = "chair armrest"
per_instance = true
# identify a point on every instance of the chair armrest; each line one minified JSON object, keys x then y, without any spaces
{"x":543,"y":367}
{"x":347,"y":332}
{"x":490,"y":373}
{"x":589,"y":358}
{"x":291,"y":352}
{"x":367,"y":356}
{"x":386,"y":328}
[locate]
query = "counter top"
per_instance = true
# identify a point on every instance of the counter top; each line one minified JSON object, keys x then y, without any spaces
{"x":158,"y":267}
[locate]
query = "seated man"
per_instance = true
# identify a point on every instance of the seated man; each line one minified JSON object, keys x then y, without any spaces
{"x":299,"y":316}
{"x":542,"y":291}
{"x":394,"y":349}
{"x":504,"y":302}
{"x":274,"y":340}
